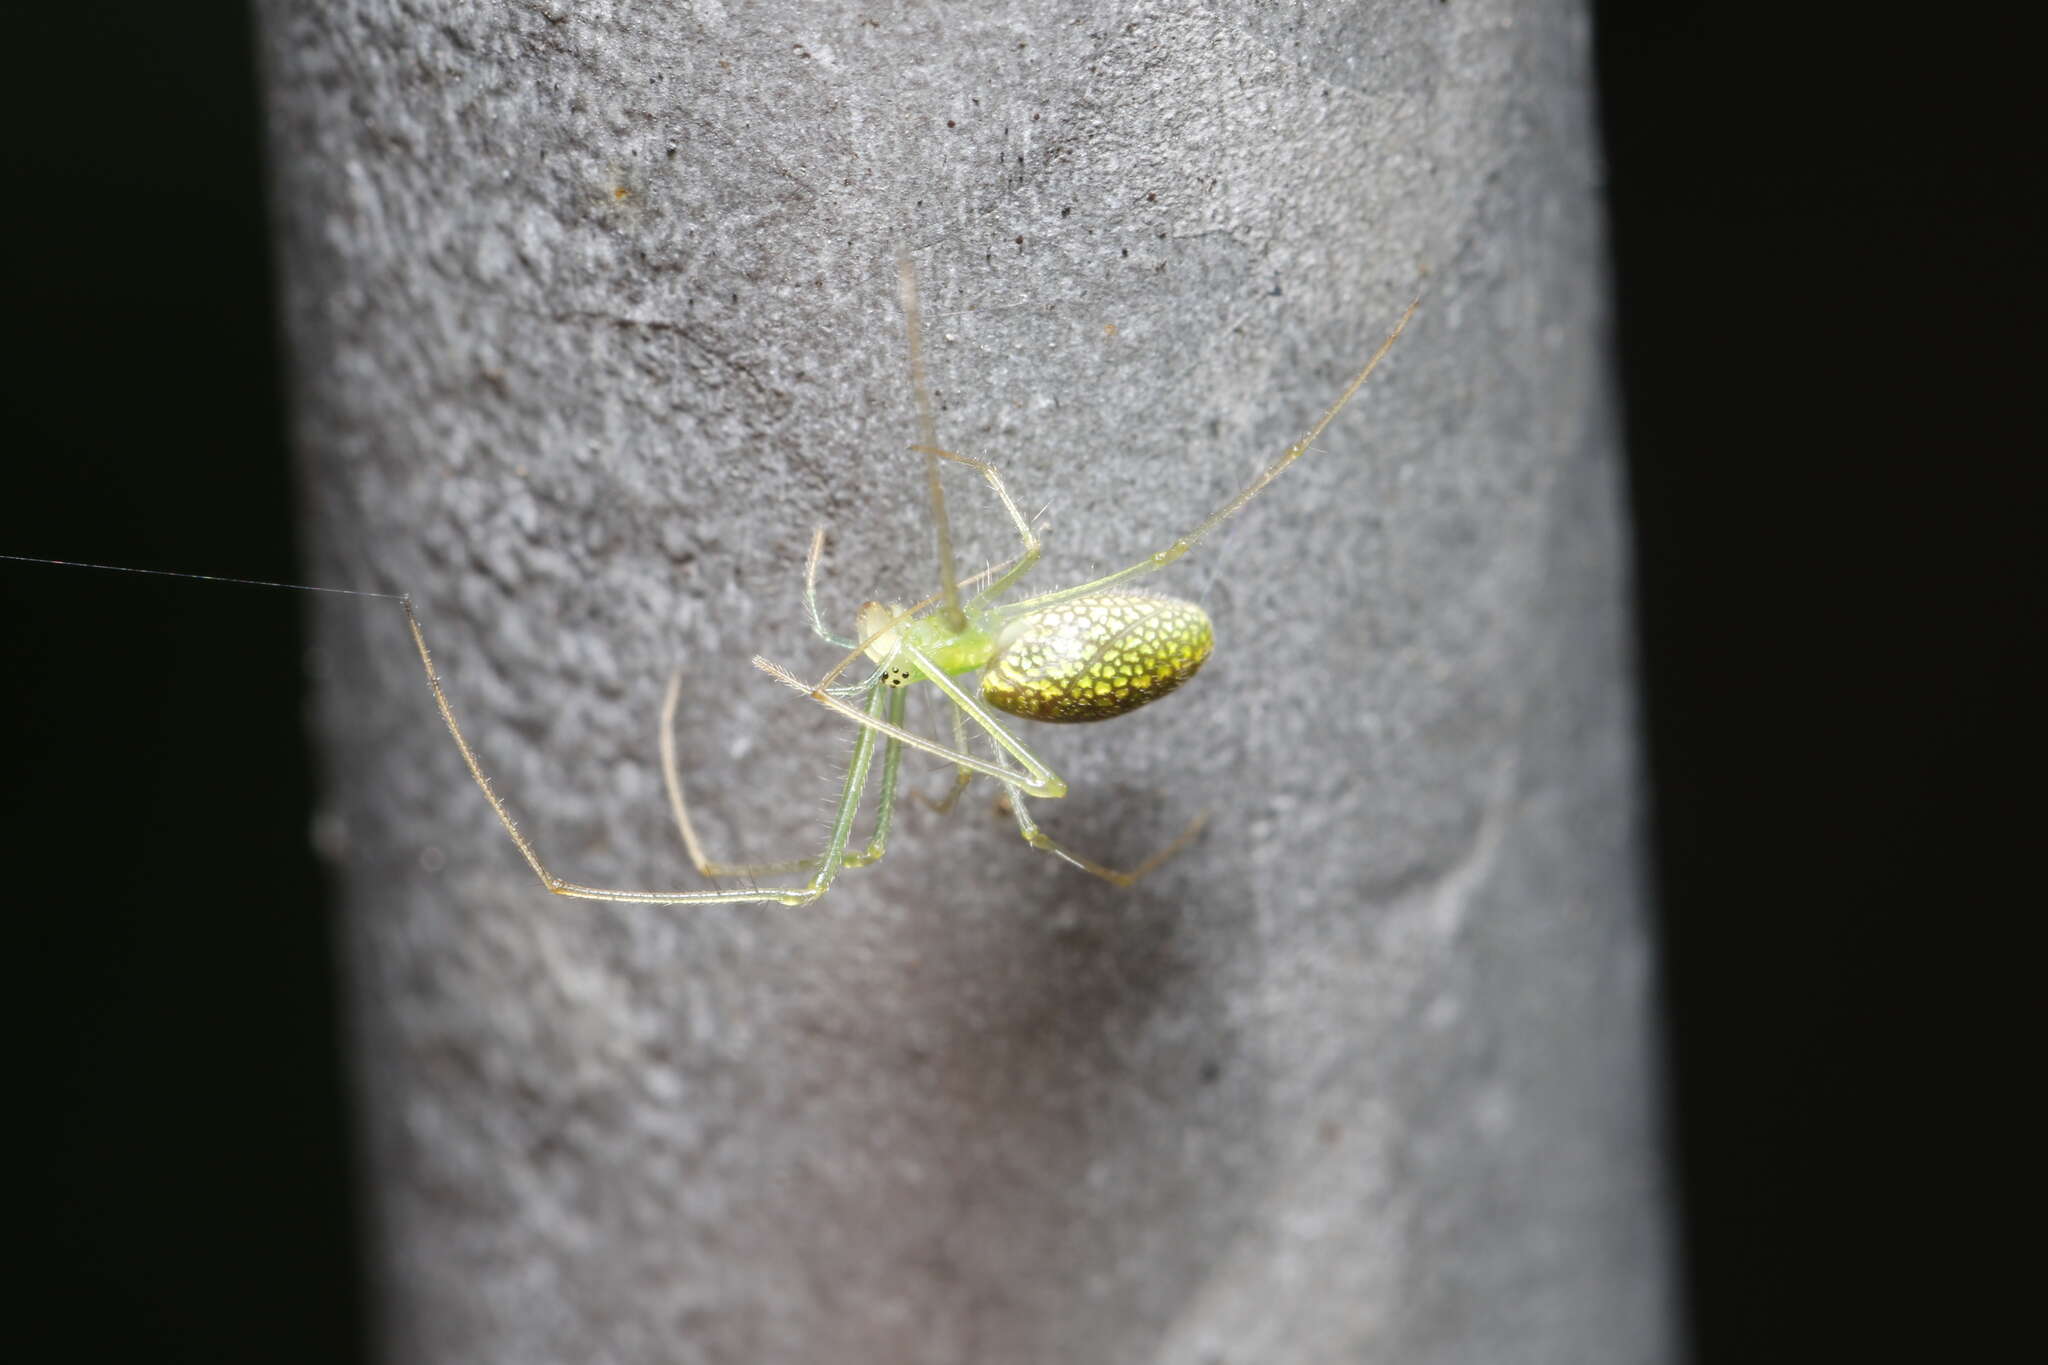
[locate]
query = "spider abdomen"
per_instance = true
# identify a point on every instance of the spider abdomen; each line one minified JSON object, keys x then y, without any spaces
{"x":1096,"y":656}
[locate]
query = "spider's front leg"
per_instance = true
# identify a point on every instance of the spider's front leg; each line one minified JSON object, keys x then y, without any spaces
{"x":827,"y":863}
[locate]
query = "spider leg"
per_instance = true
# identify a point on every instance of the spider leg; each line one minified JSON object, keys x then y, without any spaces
{"x":885,"y":800}
{"x":961,"y":776}
{"x":672,"y":779}
{"x":1032,"y":546}
{"x":1036,"y":779}
{"x":811,"y":592}
{"x":1039,"y":839}
{"x":911,"y":612}
{"x":1160,"y":559}
{"x":828,"y":863}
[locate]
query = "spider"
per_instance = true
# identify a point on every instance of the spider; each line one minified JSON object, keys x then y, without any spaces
{"x":1083,"y":653}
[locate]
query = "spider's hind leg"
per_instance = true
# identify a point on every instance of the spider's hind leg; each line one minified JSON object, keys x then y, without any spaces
{"x":1039,"y":839}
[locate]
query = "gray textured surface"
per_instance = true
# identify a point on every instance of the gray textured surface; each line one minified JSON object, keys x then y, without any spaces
{"x":593,"y":320}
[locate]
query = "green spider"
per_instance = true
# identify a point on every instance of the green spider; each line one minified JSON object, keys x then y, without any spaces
{"x":1083,"y":653}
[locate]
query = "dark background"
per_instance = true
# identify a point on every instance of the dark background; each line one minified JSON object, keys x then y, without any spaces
{"x":1827,"y":290}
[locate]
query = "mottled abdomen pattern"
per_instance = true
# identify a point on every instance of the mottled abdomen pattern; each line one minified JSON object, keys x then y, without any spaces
{"x":1096,"y":656}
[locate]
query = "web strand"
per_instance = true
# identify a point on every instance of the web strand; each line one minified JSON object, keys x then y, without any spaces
{"x":202,"y":577}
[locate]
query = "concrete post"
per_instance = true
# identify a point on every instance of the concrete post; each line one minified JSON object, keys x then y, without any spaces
{"x":593,"y":319}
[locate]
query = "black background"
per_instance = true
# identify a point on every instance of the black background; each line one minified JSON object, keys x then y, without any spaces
{"x":1827,"y":293}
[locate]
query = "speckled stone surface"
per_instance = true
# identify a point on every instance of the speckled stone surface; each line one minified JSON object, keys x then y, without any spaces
{"x":592,"y":314}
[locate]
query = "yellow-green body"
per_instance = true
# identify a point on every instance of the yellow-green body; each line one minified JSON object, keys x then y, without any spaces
{"x":1085,"y":658}
{"x":1095,"y":657}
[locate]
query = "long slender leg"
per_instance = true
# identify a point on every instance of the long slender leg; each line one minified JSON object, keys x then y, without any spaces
{"x":672,"y":779}
{"x":961,"y":776}
{"x":1039,"y":839}
{"x":928,"y":435}
{"x":1008,"y":570}
{"x":829,"y":861}
{"x":860,"y":647}
{"x":1181,"y":546}
{"x":811,"y":592}
{"x":849,"y":802}
{"x":1002,"y":575}
{"x":885,"y":801}
{"x":1037,"y":779}
{"x":1032,"y":547}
